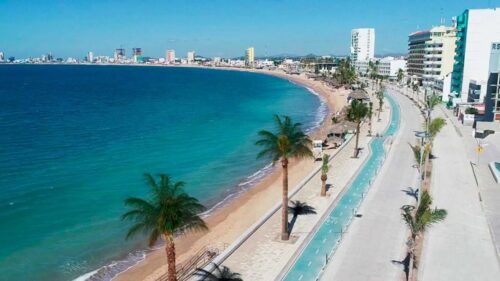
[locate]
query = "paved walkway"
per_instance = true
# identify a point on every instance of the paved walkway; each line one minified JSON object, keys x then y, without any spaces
{"x":461,"y":247}
{"x":379,"y":237}
{"x":263,"y":255}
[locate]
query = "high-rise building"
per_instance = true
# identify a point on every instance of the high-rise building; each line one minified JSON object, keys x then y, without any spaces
{"x":249,"y":56}
{"x":362,"y":44}
{"x":431,"y":54}
{"x":170,"y":56}
{"x":90,"y":57}
{"x":2,"y":57}
{"x":190,"y":57}
{"x":492,"y":99}
{"x":119,"y":54}
{"x":137,"y":55}
{"x":476,"y":30}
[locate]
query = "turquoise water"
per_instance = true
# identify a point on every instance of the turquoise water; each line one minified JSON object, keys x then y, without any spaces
{"x":497,"y":166}
{"x":309,"y":264}
{"x":76,"y":140}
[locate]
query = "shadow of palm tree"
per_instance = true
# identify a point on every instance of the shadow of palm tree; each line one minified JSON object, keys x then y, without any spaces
{"x":411,"y":192}
{"x":405,"y":263}
{"x":299,"y":208}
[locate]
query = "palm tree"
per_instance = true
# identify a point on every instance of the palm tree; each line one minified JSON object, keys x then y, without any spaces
{"x":415,"y":89}
{"x":356,"y":112}
{"x":168,"y":211}
{"x":380,"y":97}
{"x":400,"y":75}
{"x":370,"y":115}
{"x":220,"y":273}
{"x":299,"y":208}
{"x":325,"y":167}
{"x":288,"y":141}
{"x":419,"y":220}
{"x":435,"y":127}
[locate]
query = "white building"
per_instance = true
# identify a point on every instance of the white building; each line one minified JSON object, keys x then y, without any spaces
{"x":362,"y":44}
{"x":477,"y":29}
{"x":431,"y":54}
{"x":90,"y":57}
{"x":190,"y":57}
{"x":492,"y":99}
{"x":2,"y":57}
{"x":170,"y":56}
{"x":387,"y":66}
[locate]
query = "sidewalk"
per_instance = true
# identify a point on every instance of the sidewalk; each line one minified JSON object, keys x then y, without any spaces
{"x":461,"y":247}
{"x":263,"y":255}
{"x":379,"y":236}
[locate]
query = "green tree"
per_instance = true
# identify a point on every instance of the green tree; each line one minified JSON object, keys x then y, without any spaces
{"x":220,"y":273}
{"x":299,"y":208}
{"x":380,"y":98}
{"x":168,"y":211}
{"x":325,"y":167}
{"x":400,"y":75}
{"x":346,"y":73}
{"x":370,"y":116}
{"x":287,"y":141}
{"x":435,"y":126}
{"x":419,"y":220}
{"x":357,"y":112}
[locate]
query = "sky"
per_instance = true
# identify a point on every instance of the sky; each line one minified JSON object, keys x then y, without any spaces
{"x":71,"y":28}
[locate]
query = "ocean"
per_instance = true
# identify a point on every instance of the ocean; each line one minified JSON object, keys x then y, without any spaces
{"x":76,"y":140}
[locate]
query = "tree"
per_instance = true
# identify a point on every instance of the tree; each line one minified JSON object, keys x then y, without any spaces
{"x":346,"y":73}
{"x":420,"y":155}
{"x":370,"y":115}
{"x":299,"y":208}
{"x":380,"y":97}
{"x":415,"y":88}
{"x":288,"y":141}
{"x":419,"y":220}
{"x":357,"y":112}
{"x":400,"y":75}
{"x":220,"y":273}
{"x":435,"y":126}
{"x":168,"y":211}
{"x":325,"y":167}
{"x":471,"y":110}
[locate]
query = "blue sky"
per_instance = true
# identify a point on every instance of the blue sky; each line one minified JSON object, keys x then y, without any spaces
{"x":214,"y":27}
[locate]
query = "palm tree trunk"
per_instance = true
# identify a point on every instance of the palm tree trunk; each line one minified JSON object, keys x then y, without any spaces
{"x":284,"y":206}
{"x":170,"y":249}
{"x":358,"y":125}
{"x":323,"y":185}
{"x":370,"y":126}
{"x":379,"y":110}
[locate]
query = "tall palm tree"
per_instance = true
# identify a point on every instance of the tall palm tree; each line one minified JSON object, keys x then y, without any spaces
{"x":419,"y":220}
{"x":400,"y":75}
{"x":220,"y":273}
{"x":168,"y":211}
{"x":370,"y":116}
{"x":357,"y":112}
{"x":380,"y":97}
{"x":287,"y":141}
{"x":325,"y":167}
{"x":299,"y":208}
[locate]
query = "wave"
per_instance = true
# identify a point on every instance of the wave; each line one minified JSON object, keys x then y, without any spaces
{"x":108,"y":272}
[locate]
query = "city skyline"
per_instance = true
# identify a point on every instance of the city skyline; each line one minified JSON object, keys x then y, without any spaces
{"x":221,"y":28}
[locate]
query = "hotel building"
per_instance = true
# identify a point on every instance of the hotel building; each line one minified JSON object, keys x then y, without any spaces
{"x":190,"y":57}
{"x":170,"y":56}
{"x":249,"y":56}
{"x":362,"y":44}
{"x":476,"y":30}
{"x":90,"y":57}
{"x":431,"y":54}
{"x":492,"y":100}
{"x":387,"y":67}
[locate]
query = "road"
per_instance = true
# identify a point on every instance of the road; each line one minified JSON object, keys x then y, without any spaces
{"x":377,"y":239}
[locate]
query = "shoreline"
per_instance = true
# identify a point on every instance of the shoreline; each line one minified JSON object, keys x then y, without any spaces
{"x":229,"y":218}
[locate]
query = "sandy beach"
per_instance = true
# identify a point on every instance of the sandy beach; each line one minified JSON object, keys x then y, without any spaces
{"x":226,"y":224}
